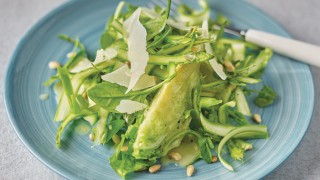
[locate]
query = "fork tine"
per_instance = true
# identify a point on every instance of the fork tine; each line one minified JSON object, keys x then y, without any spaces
{"x":150,"y":5}
{"x":156,"y":3}
{"x":175,"y":4}
{"x":174,"y":7}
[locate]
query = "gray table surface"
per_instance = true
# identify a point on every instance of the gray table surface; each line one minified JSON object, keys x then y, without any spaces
{"x":300,"y":18}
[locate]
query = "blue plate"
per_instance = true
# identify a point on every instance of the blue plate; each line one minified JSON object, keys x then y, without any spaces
{"x":32,"y":119}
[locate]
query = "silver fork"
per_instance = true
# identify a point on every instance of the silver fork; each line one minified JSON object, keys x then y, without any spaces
{"x":295,"y":49}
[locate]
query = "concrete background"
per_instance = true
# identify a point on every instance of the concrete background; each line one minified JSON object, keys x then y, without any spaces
{"x":300,"y":18}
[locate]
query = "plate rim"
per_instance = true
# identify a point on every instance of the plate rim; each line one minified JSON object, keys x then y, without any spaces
{"x":8,"y":104}
{"x":23,"y":39}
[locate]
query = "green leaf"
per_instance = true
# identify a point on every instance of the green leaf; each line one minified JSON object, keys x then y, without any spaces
{"x":123,"y":164}
{"x":213,"y":115}
{"x":266,"y":97}
{"x":82,"y":102}
{"x":77,"y":80}
{"x":238,"y":117}
{"x":205,"y":149}
{"x":156,"y":25}
{"x":210,"y":144}
{"x":108,"y":95}
{"x":107,"y":38}
{"x":113,"y":128}
{"x":236,"y":152}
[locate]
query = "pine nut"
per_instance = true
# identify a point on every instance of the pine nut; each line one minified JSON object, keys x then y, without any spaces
{"x":229,"y":66}
{"x":71,"y":55}
{"x":214,"y":159}
{"x":175,"y":156}
{"x":154,"y":168}
{"x":54,"y":64}
{"x":44,"y":97}
{"x":249,"y":148}
{"x":190,"y":170}
{"x":116,"y":139}
{"x":91,"y":136}
{"x":85,"y":95}
{"x":257,"y":118}
{"x":124,"y":148}
{"x":128,"y":64}
{"x":197,"y":48}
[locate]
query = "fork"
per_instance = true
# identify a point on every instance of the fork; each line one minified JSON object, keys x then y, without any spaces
{"x":294,"y":49}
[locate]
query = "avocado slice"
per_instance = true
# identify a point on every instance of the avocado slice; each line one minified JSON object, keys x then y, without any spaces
{"x":166,"y":117}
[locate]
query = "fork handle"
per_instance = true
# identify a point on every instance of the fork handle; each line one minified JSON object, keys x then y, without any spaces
{"x":298,"y":50}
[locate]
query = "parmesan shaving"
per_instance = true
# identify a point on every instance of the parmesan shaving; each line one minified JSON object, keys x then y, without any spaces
{"x":129,"y":107}
{"x":99,"y":56}
{"x":103,"y":55}
{"x":91,"y":103}
{"x":121,"y":76}
{"x":218,"y":68}
{"x":83,"y":64}
{"x":144,"y":82}
{"x":136,"y":36}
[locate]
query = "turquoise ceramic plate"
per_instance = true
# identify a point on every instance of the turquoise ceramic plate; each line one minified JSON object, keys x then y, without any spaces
{"x":287,"y":119}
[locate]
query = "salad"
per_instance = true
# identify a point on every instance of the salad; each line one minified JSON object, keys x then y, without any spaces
{"x":164,"y":89}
